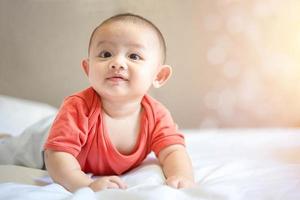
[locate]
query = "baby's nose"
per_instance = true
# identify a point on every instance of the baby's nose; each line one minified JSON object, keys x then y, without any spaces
{"x":117,"y":67}
{"x":118,"y":64}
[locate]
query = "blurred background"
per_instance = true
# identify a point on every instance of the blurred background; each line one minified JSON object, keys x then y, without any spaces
{"x":235,"y":62}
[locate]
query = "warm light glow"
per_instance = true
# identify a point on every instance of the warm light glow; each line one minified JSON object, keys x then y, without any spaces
{"x":259,"y":58}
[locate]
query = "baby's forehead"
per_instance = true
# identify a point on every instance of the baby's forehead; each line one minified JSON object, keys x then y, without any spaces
{"x":122,"y":33}
{"x":114,"y":26}
{"x":139,"y":26}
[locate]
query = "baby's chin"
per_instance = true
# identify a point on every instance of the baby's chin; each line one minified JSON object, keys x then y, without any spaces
{"x":122,"y":92}
{"x":117,"y":95}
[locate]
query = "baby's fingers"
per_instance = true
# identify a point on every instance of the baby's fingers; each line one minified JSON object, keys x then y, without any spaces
{"x":185,"y":184}
{"x":178,"y":182}
{"x":173,"y":183}
{"x":108,"y":182}
{"x":112,"y":185}
{"x":118,"y":181}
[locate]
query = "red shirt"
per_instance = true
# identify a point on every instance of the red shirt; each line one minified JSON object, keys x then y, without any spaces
{"x":79,"y":130}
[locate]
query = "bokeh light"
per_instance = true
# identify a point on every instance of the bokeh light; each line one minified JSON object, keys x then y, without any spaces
{"x":254,"y":49}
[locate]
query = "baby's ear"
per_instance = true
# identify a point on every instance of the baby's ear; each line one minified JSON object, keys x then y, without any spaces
{"x":85,"y":66}
{"x":164,"y":73}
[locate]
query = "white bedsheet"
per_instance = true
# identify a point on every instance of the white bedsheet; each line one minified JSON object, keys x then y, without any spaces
{"x":253,"y":164}
{"x":16,"y":114}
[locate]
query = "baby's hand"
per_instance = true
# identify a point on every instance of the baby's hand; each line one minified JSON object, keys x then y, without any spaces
{"x":108,"y":182}
{"x":179,"y":182}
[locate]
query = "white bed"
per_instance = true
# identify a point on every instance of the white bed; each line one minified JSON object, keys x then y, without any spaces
{"x":237,"y":164}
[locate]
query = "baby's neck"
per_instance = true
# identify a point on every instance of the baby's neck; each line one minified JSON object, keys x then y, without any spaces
{"x":121,"y":109}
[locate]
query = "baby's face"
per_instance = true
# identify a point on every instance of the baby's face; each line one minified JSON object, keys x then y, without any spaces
{"x":124,"y":60}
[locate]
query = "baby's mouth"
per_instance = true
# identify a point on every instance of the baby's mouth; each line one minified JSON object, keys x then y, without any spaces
{"x":117,"y":78}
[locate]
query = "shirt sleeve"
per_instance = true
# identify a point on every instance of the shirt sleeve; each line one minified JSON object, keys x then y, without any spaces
{"x":69,"y":130}
{"x":165,"y":132}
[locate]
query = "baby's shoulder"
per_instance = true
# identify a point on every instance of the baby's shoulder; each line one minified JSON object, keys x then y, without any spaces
{"x":86,"y":98}
{"x":150,"y":104}
{"x":86,"y":94}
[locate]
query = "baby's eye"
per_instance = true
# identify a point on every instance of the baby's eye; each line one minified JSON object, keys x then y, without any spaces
{"x":135,"y":56}
{"x":105,"y":54}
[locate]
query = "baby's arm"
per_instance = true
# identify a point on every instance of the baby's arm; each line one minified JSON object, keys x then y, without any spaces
{"x":177,"y":166}
{"x":65,"y":170}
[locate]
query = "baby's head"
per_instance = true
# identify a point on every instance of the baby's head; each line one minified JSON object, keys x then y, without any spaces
{"x":138,"y":20}
{"x":126,"y":56}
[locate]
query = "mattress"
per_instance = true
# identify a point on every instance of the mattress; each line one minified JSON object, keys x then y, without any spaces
{"x":238,"y":164}
{"x":23,"y":175}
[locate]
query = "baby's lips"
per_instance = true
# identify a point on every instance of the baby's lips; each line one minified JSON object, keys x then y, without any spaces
{"x":116,"y":78}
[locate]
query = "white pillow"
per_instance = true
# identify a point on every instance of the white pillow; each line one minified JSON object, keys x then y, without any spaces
{"x":17,"y":114}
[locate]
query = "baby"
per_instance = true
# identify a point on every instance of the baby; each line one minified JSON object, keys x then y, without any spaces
{"x":110,"y":128}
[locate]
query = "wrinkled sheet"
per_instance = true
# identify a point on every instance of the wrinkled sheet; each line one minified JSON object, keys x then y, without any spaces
{"x":237,"y":164}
